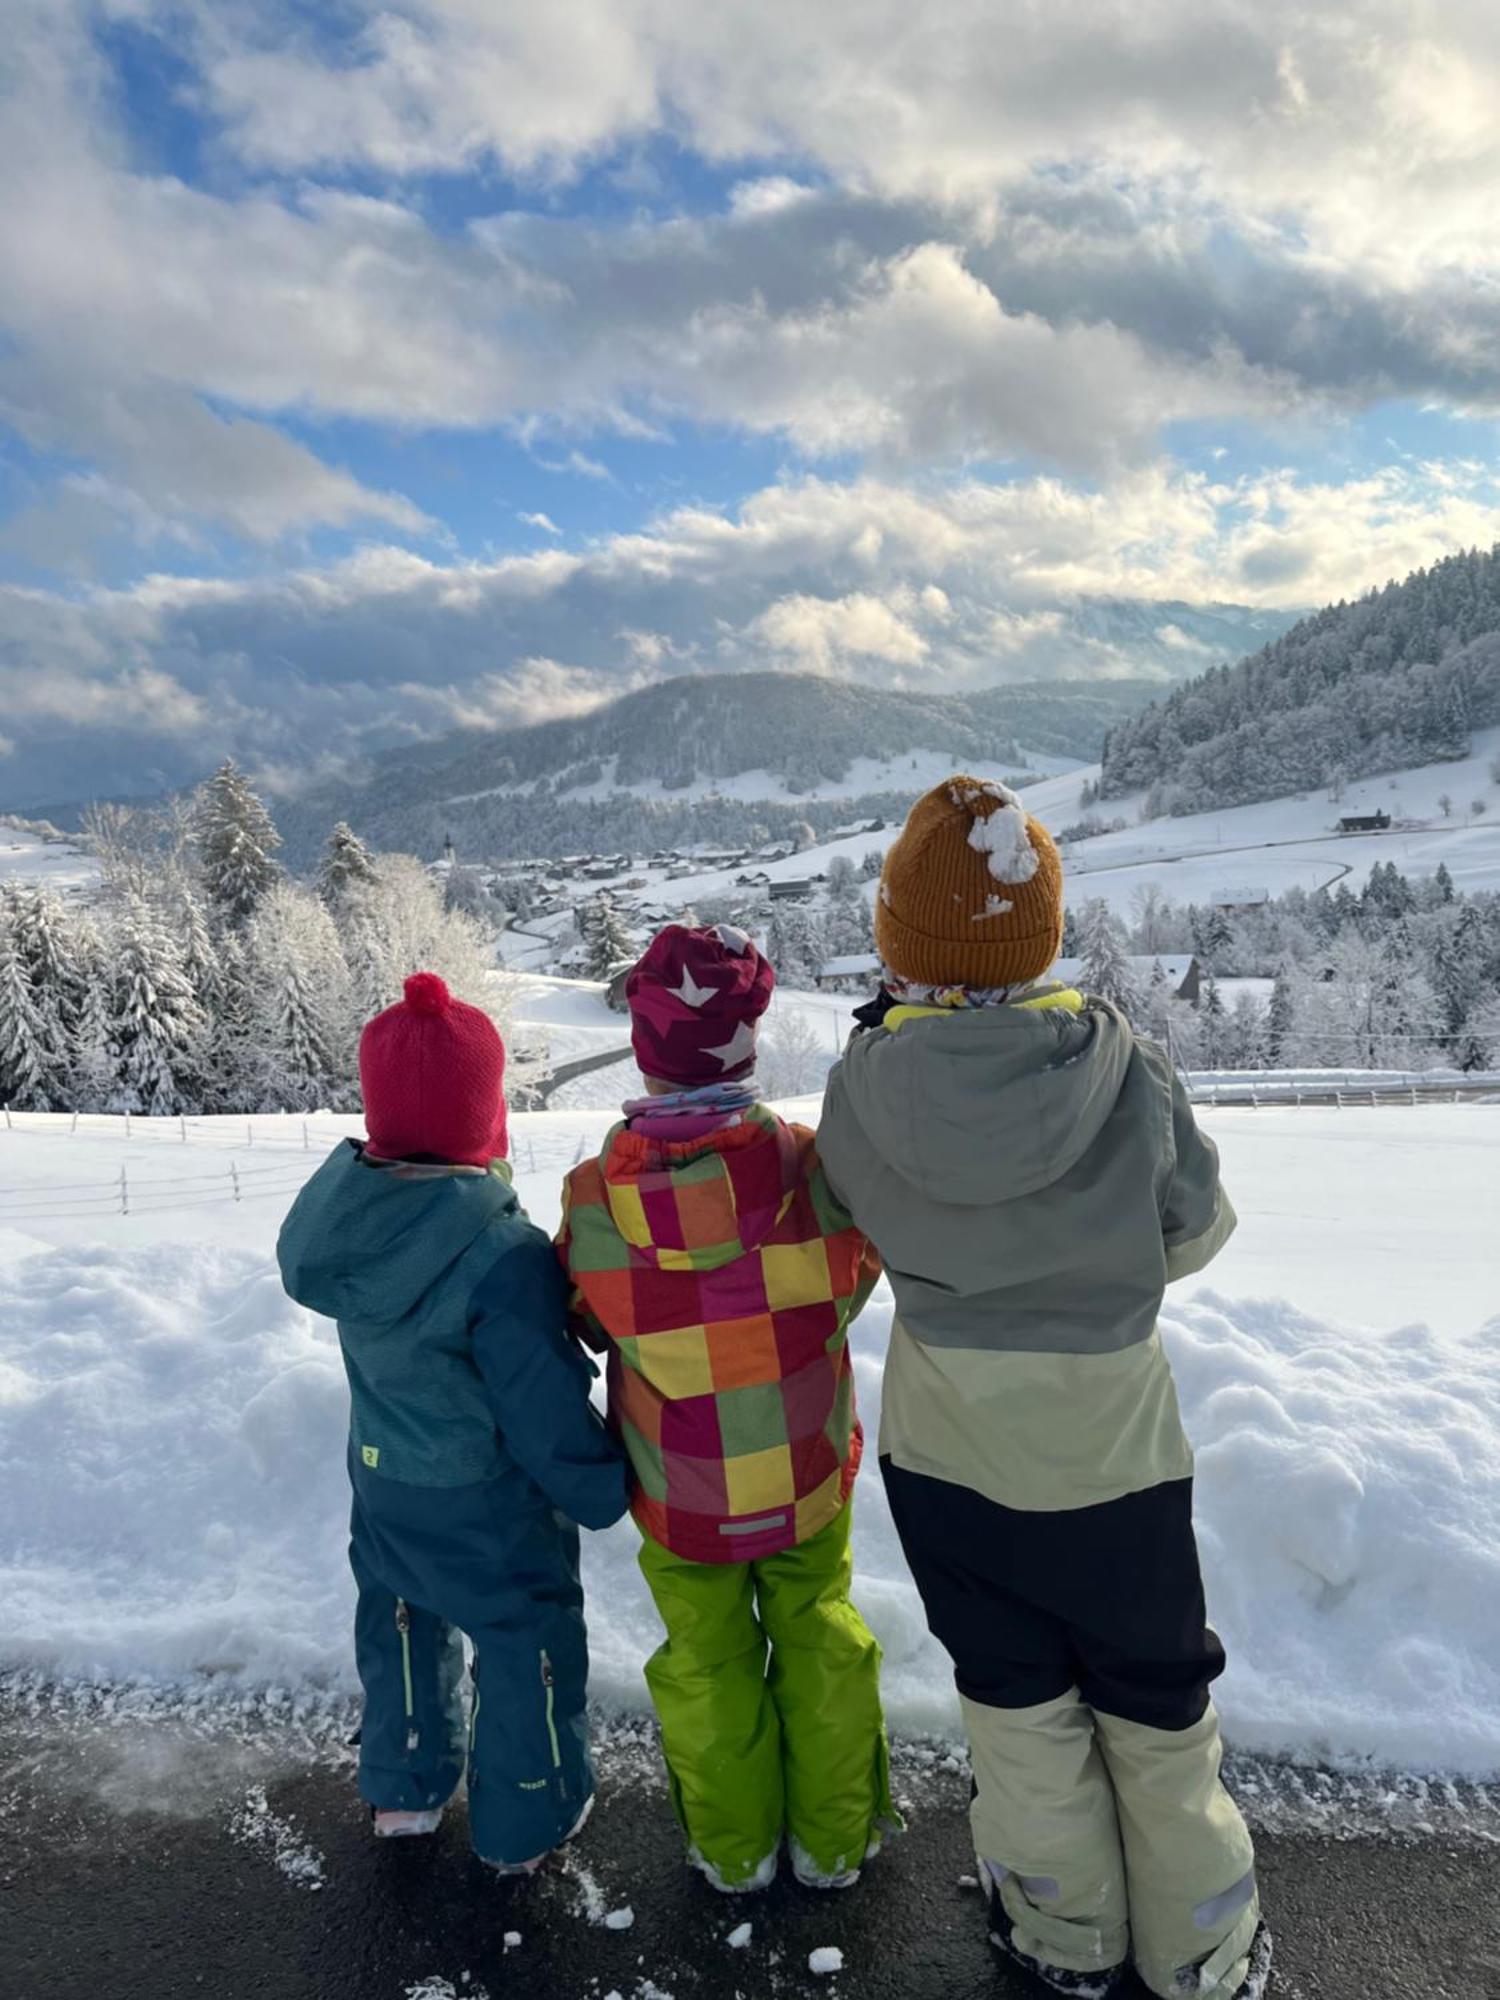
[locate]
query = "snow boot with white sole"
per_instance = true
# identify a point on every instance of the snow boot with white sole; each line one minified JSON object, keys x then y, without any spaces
{"x":511,"y":1869}
{"x":392,"y":1823}
{"x":1102,"y":1985}
{"x":1258,"y":1979}
{"x":761,"y":1877}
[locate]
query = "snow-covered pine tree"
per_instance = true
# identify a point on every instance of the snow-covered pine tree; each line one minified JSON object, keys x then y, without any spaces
{"x":1281,"y":1017}
{"x":43,"y":945}
{"x":1156,"y":1003}
{"x":93,"y":1063}
{"x":848,"y":924}
{"x":25,"y":1057}
{"x":302,"y":1029}
{"x":1213,"y":1036}
{"x":156,"y":1024}
{"x":795,"y":944}
{"x":236,"y":842}
{"x":607,"y":943}
{"x":347,"y":864}
{"x":1107,"y":971}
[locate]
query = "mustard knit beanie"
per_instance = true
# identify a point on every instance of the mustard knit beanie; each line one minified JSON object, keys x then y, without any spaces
{"x":971,"y":893}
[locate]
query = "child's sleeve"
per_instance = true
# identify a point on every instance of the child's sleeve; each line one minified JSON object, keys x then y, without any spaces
{"x":833,"y":1220}
{"x":538,"y":1385}
{"x":582,"y":1322}
{"x":1197,"y":1219}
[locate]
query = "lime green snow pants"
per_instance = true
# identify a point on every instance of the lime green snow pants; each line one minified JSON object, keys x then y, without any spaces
{"x":758,"y":1752}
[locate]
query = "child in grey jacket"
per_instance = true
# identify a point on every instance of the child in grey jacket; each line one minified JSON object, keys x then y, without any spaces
{"x":1031,"y":1174}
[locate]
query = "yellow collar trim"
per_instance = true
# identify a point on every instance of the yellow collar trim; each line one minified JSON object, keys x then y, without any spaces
{"x":1067,"y":998}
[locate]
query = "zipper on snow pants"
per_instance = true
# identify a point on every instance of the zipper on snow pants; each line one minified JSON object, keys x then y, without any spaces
{"x":403,"y":1626}
{"x":551,"y":1716}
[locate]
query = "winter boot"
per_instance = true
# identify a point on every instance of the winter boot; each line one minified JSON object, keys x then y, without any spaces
{"x":1056,"y":1978}
{"x":1258,"y":1979}
{"x":761,"y":1877}
{"x":525,"y":1868}
{"x":811,"y":1876}
{"x":393,"y":1824}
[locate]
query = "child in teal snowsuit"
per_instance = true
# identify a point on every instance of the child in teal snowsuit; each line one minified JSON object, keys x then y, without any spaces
{"x":473,"y":1446}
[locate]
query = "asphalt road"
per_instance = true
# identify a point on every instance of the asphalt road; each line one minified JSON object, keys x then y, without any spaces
{"x":163,"y":1863}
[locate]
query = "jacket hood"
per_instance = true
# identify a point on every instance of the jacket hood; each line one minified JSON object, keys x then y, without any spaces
{"x":698,"y":1204}
{"x":979,"y":1106}
{"x":366,"y":1241}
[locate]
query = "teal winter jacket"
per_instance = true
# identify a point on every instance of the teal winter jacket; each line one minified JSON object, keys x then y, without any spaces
{"x":451,"y":1314}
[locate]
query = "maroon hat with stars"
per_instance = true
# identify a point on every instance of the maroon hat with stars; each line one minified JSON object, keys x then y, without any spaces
{"x":695,"y":999}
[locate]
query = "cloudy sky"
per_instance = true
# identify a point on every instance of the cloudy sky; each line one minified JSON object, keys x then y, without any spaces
{"x":366,"y":370}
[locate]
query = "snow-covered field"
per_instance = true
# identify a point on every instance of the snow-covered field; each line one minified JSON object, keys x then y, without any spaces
{"x":52,"y":864}
{"x":864,"y":777}
{"x":173,"y":1494}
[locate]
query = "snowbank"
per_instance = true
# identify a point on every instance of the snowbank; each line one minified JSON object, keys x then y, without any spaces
{"x":171,"y":1469}
{"x":174,"y":1505}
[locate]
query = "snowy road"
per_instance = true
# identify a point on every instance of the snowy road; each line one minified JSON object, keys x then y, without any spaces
{"x":163,"y":1864}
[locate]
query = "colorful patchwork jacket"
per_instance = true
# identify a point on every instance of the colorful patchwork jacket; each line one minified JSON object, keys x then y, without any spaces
{"x":722,"y":1277}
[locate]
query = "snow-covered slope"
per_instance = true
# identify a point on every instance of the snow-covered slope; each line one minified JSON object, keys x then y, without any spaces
{"x":171,"y":1428}
{"x":1270,"y":847}
{"x":56,"y":864}
{"x":1285,"y":842}
{"x":865,"y":776}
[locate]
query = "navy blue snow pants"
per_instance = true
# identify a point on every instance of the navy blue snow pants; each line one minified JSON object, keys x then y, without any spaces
{"x":495,"y":1562}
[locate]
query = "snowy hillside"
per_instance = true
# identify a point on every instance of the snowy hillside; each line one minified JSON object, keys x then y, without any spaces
{"x":171,"y":1427}
{"x":1269,"y":847}
{"x":54,"y":864}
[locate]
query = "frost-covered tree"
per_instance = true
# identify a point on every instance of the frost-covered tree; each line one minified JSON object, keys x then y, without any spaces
{"x":791,"y":1059}
{"x":156,"y":1024}
{"x":795,"y":944}
{"x":1107,"y":971}
{"x":607,"y":943}
{"x":44,"y":945}
{"x":236,"y":842}
{"x":1281,"y":1016}
{"x":847,"y":919}
{"x":872,"y":864}
{"x":302,"y":1026}
{"x":347,"y":864}
{"x":26,"y":1073}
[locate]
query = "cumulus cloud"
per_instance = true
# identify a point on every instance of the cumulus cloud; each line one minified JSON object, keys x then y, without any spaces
{"x":965,"y":583}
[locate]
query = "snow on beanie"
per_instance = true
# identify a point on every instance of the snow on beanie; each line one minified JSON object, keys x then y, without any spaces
{"x":432,"y":1070}
{"x":695,"y":999}
{"x":971,"y":893}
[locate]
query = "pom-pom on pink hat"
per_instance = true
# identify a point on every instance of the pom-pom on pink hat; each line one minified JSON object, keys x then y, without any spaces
{"x":432,"y":1070}
{"x":695,"y":999}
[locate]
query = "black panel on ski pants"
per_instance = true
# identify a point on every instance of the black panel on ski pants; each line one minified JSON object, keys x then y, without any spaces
{"x":1107,"y":1599}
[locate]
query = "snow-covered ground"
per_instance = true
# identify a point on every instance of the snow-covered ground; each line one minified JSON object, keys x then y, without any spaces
{"x":54,"y":864}
{"x":171,"y":1473}
{"x":864,"y":777}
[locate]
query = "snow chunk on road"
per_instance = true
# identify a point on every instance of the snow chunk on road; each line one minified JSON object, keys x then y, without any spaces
{"x":827,"y":1958}
{"x":739,"y":1937}
{"x":620,"y":1920}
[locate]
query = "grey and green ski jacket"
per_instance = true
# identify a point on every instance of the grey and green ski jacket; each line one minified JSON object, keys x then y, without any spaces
{"x":1033,"y":1178}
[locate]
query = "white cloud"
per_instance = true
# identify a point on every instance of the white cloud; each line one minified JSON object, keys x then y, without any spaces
{"x":1371,"y":125}
{"x":835,"y":635}
{"x":542,"y":521}
{"x":965,"y":583}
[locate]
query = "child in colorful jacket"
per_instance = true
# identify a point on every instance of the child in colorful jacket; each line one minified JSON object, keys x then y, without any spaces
{"x":1032,"y":1175}
{"x":708,"y":1255}
{"x":473,"y":1447}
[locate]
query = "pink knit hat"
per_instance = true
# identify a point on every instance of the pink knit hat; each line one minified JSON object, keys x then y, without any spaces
{"x":695,"y":999}
{"x":432,"y":1070}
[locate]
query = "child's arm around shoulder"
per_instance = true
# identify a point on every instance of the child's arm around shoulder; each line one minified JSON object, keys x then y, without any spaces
{"x":538,"y":1384}
{"x":1197,"y":1217}
{"x":834,"y":1219}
